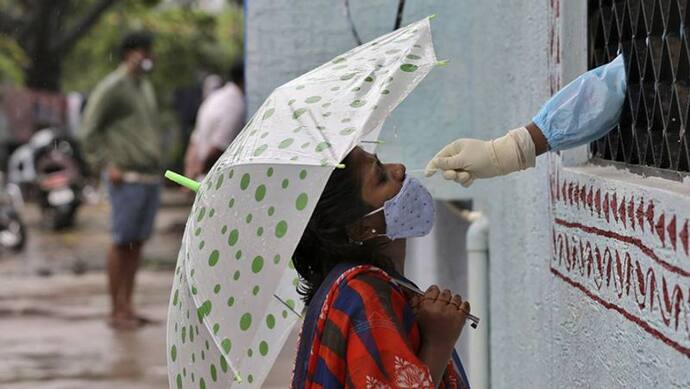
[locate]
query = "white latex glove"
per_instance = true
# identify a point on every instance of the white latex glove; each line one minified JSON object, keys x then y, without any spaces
{"x":464,"y":160}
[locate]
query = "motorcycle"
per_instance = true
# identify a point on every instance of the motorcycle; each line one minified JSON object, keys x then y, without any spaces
{"x":12,"y":229}
{"x":50,"y":166}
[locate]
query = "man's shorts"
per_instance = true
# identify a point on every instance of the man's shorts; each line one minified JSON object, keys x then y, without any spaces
{"x":133,"y":210}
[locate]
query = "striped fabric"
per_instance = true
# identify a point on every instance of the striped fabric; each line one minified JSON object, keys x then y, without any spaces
{"x":364,"y":335}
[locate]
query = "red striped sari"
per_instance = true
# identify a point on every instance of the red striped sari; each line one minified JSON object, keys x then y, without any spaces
{"x":360,"y":332}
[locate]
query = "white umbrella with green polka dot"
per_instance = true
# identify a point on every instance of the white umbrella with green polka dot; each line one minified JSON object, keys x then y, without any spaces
{"x":234,"y":300}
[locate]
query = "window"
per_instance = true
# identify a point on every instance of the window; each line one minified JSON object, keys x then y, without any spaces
{"x":653,"y":36}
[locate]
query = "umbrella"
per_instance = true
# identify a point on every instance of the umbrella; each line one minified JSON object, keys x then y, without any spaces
{"x":233,"y":300}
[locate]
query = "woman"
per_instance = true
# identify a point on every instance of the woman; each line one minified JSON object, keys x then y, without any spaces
{"x":361,"y":330}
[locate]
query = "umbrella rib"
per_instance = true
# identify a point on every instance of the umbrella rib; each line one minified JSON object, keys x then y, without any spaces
{"x":287,"y":305}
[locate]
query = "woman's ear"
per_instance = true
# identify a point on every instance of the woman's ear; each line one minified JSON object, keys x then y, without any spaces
{"x":367,"y":228}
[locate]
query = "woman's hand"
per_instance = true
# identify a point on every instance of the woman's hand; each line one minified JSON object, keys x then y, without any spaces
{"x":441,"y":317}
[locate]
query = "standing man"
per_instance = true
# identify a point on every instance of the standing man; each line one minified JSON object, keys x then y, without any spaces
{"x":220,"y":118}
{"x":121,"y":136}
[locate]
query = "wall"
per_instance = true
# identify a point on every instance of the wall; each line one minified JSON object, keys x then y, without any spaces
{"x":507,"y":57}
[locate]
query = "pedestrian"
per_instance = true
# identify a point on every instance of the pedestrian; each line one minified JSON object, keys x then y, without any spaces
{"x":121,"y":136}
{"x":220,"y":118}
{"x":361,"y":329}
{"x":584,"y":110}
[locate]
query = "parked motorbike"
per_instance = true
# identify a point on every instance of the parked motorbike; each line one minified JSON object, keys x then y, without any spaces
{"x":12,"y":229}
{"x":50,"y":166}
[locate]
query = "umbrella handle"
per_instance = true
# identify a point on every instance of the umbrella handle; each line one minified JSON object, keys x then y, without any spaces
{"x":182,"y":180}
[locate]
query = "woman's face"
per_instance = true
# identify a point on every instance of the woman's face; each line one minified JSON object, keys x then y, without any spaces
{"x":380,"y":182}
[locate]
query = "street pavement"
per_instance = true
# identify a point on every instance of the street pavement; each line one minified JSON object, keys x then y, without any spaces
{"x":53,"y":302}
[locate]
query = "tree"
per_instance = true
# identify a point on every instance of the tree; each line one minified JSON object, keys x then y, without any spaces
{"x":47,"y":31}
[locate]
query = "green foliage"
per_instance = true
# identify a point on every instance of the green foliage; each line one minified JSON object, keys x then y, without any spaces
{"x":187,"y":44}
{"x":12,"y":59}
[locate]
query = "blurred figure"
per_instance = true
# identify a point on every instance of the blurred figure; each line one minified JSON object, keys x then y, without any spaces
{"x":121,"y":136}
{"x":220,"y":118}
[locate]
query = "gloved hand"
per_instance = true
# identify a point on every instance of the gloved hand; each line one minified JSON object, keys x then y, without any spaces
{"x":464,"y":160}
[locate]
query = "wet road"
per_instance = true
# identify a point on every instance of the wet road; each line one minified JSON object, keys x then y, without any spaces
{"x":53,"y":301}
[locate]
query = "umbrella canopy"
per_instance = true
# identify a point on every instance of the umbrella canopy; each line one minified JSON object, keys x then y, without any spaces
{"x":233,"y":300}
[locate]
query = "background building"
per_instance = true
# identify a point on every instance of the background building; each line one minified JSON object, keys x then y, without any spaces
{"x":589,"y":266}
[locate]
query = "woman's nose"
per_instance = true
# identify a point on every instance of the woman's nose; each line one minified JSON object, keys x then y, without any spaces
{"x":399,"y":171}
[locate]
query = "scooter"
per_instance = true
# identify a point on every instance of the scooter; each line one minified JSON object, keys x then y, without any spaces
{"x":50,"y":166}
{"x":12,"y":228}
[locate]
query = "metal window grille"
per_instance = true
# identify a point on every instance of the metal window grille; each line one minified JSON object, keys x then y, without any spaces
{"x":654,"y":37}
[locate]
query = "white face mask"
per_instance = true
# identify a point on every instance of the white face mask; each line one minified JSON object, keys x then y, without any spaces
{"x":410,"y":213}
{"x":146,"y":65}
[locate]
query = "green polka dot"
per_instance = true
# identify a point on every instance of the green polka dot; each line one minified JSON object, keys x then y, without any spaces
{"x":305,"y":145}
{"x":298,"y":113}
{"x":175,"y":298}
{"x":202,"y":244}
{"x":347,"y":131}
{"x":291,"y":101}
{"x":233,"y":237}
{"x":358,"y":103}
{"x":257,"y":264}
{"x":179,"y":381}
{"x":244,"y":183}
{"x":312,"y":99}
{"x":250,"y":378}
{"x":194,"y":291}
{"x":236,"y":276}
{"x":202,"y":384}
{"x":219,"y":183}
{"x":226,"y":344}
{"x":298,"y":129}
{"x":231,"y":301}
{"x":224,"y":229}
{"x":385,"y":92}
{"x":369,"y":79}
{"x":300,"y":87}
{"x":245,"y":321}
{"x":413,"y":56}
{"x":248,"y":219}
{"x":301,"y":201}
{"x":184,"y":334}
{"x":173,"y":353}
{"x":263,"y":348}
{"x":208,"y":347}
{"x":290,"y":303}
{"x":270,"y":321}
{"x":303,"y":174}
{"x":223,"y":364}
{"x":259,"y":231}
{"x":260,"y":192}
{"x":268,"y":113}
{"x":276,"y":259}
{"x":284,"y":314}
{"x":269,"y":172}
{"x":231,"y":203}
{"x":216,"y":328}
{"x":271,"y":211}
{"x":238,"y":254}
{"x":214,"y":373}
{"x":281,"y":228}
{"x":213,"y":258}
{"x":256,"y":290}
{"x":291,"y":265}
{"x":356,"y":89}
{"x":285,"y":183}
{"x":232,"y":173}
{"x":201,"y":214}
{"x":286,"y":143}
{"x":339,"y":60}
{"x":260,"y":150}
{"x":408,"y":67}
{"x":216,"y":289}
{"x":348,"y":76}
{"x":264,"y":135}
{"x":322,"y":146}
{"x":250,"y":352}
{"x":335,"y":88}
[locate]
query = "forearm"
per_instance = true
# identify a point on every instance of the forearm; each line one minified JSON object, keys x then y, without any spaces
{"x":436,"y":359}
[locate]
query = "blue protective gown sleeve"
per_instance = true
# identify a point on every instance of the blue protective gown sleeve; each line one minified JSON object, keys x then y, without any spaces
{"x":585,"y":109}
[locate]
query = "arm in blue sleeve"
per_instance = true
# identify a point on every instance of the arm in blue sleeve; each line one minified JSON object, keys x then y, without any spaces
{"x":586,"y":109}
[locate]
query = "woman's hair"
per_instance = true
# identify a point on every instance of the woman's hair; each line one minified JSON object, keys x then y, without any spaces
{"x":325,"y":241}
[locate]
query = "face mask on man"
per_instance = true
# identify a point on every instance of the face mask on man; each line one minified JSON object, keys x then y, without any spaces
{"x":146,"y":65}
{"x":410,"y":213}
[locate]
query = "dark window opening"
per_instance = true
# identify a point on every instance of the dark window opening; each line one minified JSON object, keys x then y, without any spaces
{"x":654,"y":37}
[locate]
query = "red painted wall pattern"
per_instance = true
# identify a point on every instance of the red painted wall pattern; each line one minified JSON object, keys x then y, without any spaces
{"x":625,"y":250}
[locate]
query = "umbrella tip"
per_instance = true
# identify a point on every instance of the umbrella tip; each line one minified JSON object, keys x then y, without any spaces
{"x":442,"y":62}
{"x":238,"y":378}
{"x":182,"y":180}
{"x":340,"y":166}
{"x":432,"y":16}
